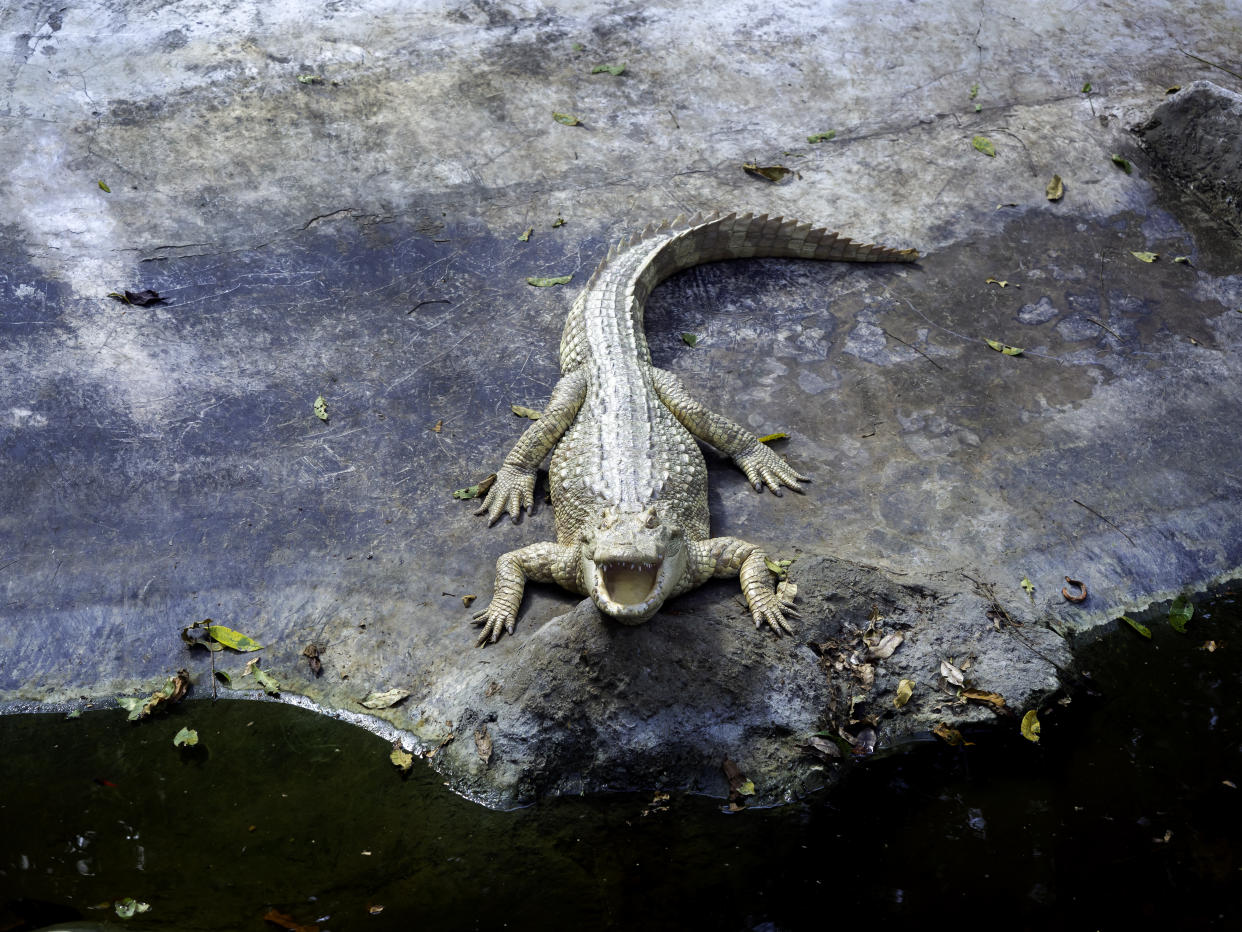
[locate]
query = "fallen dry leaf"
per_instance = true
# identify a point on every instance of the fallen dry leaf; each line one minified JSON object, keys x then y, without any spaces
{"x":483,"y":744}
{"x":978,"y":695}
{"x":952,"y":673}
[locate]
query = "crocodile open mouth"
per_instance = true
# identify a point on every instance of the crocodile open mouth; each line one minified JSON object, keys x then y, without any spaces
{"x":628,"y":583}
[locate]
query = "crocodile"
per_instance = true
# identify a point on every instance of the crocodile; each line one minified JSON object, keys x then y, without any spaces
{"x":628,"y":480}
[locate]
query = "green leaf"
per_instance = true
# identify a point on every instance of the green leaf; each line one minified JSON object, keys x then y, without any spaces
{"x":1182,"y":260}
{"x":567,"y":118}
{"x":1004,"y":348}
{"x":1028,"y":587}
{"x":129,"y":907}
{"x":185,"y":738}
{"x":133,"y":705}
{"x":525,"y":237}
{"x":779,"y":568}
{"x":223,"y":677}
{"x":768,"y":438}
{"x":772,"y":173}
{"x":321,"y":409}
{"x":905,"y":689}
{"x":974,"y":91}
{"x":747,"y":788}
{"x":1055,"y":189}
{"x":402,"y":759}
{"x":690,"y":339}
{"x":822,"y":137}
{"x":558,"y":222}
{"x":309,"y":79}
{"x":76,"y":713}
{"x":234,"y":639}
{"x":270,"y":684}
{"x":1144,"y":256}
{"x":526,"y":412}
{"x":549,"y":282}
{"x":1030,"y":726}
{"x":613,"y":70}
{"x":1086,"y":88}
{"x":1123,"y":164}
{"x":385,"y":699}
{"x":1180,"y":612}
{"x":475,"y":491}
{"x":1141,"y":629}
{"x":104,"y":188}
{"x":984,"y":145}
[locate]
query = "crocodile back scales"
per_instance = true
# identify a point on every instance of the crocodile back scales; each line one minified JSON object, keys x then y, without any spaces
{"x":625,"y":449}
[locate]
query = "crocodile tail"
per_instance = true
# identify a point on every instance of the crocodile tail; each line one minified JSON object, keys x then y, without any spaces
{"x":741,"y":236}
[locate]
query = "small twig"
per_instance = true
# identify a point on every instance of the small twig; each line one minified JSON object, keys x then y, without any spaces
{"x":915,"y":348}
{"x":1106,"y":521}
{"x":1211,"y":64}
{"x":421,"y":303}
{"x":1102,"y":327}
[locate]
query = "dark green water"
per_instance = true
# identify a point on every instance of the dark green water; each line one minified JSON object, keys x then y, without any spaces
{"x":1121,"y":816}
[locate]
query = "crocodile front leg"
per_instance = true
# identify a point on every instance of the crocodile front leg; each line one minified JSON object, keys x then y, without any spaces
{"x":514,"y":488}
{"x":761,"y":465}
{"x":543,"y":562}
{"x":722,"y":557}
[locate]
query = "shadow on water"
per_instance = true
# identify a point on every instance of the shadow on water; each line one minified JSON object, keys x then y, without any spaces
{"x":1128,"y":810}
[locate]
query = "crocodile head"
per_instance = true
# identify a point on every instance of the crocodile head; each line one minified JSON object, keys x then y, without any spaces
{"x":632,"y":562}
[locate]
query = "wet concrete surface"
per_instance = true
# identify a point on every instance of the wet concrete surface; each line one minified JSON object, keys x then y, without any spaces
{"x":332,"y":207}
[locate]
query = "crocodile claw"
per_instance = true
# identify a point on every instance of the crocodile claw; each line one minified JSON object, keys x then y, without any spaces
{"x":765,"y":468}
{"x":512,"y":492}
{"x":495,"y":622}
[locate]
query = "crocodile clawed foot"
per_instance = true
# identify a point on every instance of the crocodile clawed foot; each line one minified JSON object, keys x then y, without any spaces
{"x":765,"y":468}
{"x":495,"y":623}
{"x":512,"y":492}
{"x":767,"y":608}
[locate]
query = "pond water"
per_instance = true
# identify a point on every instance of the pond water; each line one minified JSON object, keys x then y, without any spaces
{"x":1129,"y":810}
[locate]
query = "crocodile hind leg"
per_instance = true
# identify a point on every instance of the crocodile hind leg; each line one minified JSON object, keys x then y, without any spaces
{"x":722,"y":557}
{"x":761,"y":465}
{"x":542,"y":562}
{"x":514,"y":488}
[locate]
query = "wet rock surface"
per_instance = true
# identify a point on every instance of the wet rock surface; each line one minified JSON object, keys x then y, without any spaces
{"x":355,"y":236}
{"x":1194,"y":138}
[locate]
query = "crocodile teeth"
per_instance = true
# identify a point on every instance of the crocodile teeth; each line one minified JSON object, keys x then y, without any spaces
{"x":628,"y":583}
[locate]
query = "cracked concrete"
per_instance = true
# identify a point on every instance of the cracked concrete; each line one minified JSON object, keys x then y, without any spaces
{"x":330,"y":203}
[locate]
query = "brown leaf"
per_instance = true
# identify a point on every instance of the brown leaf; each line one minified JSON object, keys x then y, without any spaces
{"x":483,"y":744}
{"x":884,"y":649}
{"x":312,"y":653}
{"x":950,"y":735}
{"x":952,"y":673}
{"x":443,"y":741}
{"x":288,"y":923}
{"x":773,"y":173}
{"x":138,"y":298}
{"x":823,"y":746}
{"x":978,"y":695}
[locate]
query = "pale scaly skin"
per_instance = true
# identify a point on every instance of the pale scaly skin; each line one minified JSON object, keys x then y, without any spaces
{"x":628,"y":480}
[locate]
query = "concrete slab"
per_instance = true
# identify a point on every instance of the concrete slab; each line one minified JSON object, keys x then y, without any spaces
{"x":330,"y":203}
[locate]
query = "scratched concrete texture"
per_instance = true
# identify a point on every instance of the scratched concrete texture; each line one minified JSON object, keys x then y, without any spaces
{"x":329,"y":202}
